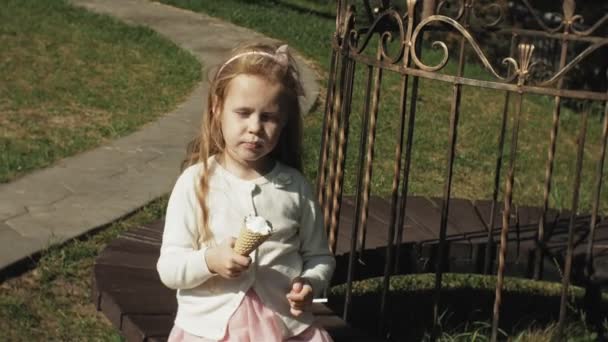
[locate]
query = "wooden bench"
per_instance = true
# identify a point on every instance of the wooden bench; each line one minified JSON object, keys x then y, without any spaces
{"x":127,"y":289}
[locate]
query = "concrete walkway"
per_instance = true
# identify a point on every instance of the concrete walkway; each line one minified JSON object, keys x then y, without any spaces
{"x":92,"y":189}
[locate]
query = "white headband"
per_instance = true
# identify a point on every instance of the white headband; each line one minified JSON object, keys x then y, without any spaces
{"x":279,"y":56}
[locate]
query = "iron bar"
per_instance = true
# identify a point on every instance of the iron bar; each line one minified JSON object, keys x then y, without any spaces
{"x":574,"y":94}
{"x":333,"y":150}
{"x":388,"y":265}
{"x":337,"y":44}
{"x":596,"y":197}
{"x":361,"y":169}
{"x":538,"y":258}
{"x":556,"y":36}
{"x":406,"y":169}
{"x":411,"y":17}
{"x":525,"y":59}
{"x":445,"y":204}
{"x":478,"y":235}
{"x":575,"y":199}
{"x":341,"y":155}
{"x":505,"y":219}
{"x":355,"y":228}
{"x":325,"y":133}
{"x":489,"y":255}
{"x":369,"y":155}
{"x":406,"y":173}
{"x":340,"y":16}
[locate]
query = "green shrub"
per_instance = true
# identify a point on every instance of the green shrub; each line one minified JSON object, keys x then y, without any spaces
{"x":465,"y":298}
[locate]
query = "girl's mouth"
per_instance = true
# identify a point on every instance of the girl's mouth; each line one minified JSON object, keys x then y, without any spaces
{"x":252,"y":145}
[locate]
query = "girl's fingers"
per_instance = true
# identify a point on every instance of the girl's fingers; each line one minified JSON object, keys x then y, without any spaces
{"x":304,"y":294}
{"x":297,"y":308}
{"x":297,"y":305}
{"x":230,"y":242}
{"x":242,"y":260}
{"x":296,"y":286}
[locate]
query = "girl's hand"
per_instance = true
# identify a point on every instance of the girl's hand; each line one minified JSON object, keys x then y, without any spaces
{"x":300,"y":296}
{"x":223,"y":260}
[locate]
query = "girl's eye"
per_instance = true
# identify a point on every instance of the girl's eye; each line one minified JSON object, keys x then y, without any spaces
{"x":271,"y":117}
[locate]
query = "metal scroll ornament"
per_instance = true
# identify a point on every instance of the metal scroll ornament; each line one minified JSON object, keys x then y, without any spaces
{"x":458,"y":27}
{"x":357,"y":46}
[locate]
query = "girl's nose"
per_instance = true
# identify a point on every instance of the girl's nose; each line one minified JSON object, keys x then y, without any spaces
{"x":254,"y":123}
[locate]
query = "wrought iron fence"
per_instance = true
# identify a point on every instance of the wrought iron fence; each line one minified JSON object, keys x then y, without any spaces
{"x":392,"y":42}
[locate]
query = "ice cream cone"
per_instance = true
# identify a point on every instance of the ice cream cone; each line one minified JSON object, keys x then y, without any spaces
{"x":249,"y":239}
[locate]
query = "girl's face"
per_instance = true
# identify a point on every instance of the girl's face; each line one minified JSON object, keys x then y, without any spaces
{"x":251,"y":122}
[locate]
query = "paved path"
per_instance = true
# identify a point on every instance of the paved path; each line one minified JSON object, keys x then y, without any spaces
{"x":92,"y":189}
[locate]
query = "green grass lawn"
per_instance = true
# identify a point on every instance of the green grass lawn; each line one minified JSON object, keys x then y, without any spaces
{"x":71,"y":79}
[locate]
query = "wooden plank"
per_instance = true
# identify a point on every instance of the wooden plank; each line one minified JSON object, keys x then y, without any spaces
{"x":460,"y":250}
{"x":128,"y":259}
{"x":377,"y":235}
{"x":424,"y":215}
{"x":463,"y":217}
{"x":111,"y":310}
{"x":319,"y":309}
{"x":95,"y":293}
{"x":123,"y":244}
{"x":484,"y":210}
{"x":157,"y":339}
{"x":124,"y":290}
{"x":158,"y":327}
{"x":342,"y":332}
{"x":528,"y":217}
{"x":559,"y":226}
{"x":601,"y":233}
{"x":154,"y":231}
{"x":116,"y":278}
{"x":375,"y":211}
{"x":157,"y":225}
{"x":142,"y":236}
{"x":151,"y":232}
{"x":162,"y":302}
{"x":380,"y":209}
{"x":143,"y":327}
{"x":346,"y":226}
{"x":376,"y":229}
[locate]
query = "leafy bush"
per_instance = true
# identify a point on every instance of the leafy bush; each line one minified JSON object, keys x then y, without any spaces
{"x":465,"y":298}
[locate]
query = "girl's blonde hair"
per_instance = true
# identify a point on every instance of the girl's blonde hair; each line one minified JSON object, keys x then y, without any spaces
{"x":257,"y":60}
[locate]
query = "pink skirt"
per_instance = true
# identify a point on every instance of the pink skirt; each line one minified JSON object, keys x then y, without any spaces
{"x":253,"y":322}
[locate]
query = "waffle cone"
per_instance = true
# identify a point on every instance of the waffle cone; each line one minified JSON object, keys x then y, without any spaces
{"x":248,"y":241}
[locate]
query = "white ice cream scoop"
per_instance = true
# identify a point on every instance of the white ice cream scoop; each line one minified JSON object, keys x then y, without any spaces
{"x":257,"y":224}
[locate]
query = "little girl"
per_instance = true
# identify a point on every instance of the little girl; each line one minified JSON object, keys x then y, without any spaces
{"x":246,"y":161}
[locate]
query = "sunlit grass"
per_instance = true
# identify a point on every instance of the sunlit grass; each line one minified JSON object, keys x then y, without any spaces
{"x":70,"y":80}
